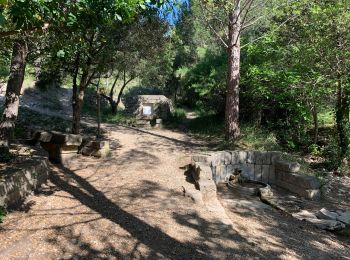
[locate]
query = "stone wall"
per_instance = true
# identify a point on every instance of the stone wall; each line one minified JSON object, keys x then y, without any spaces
{"x":267,"y":167}
{"x":17,"y":183}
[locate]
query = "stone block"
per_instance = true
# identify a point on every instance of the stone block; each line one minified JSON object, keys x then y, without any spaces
{"x":306,"y":193}
{"x":272,"y":174}
{"x":251,"y":157}
{"x":215,"y":159}
{"x":207,"y":189}
{"x":99,"y":149}
{"x":267,"y":158}
{"x":259,"y":157}
{"x":226,"y":157}
{"x":287,"y":166}
{"x":220,"y":173}
{"x":257,"y":172}
{"x":231,"y":169}
{"x":275,"y":156}
{"x":326,"y":214}
{"x":221,"y":158}
{"x":265,"y":172}
{"x":345,"y":217}
{"x":204,"y":158}
{"x":242,"y":156}
{"x":234,"y":157}
{"x":250,"y":168}
{"x":298,"y":179}
{"x":202,"y":171}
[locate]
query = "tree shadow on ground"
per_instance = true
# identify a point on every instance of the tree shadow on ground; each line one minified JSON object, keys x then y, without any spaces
{"x":283,"y":231}
{"x":159,"y":242}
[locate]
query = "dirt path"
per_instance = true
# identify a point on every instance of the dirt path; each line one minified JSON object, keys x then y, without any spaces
{"x":131,"y":206}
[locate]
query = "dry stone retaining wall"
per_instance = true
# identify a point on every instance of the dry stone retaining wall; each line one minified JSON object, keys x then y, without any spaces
{"x":266,"y":167}
{"x":17,"y":184}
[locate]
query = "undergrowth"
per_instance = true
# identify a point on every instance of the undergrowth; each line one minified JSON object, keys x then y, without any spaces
{"x":2,"y":214}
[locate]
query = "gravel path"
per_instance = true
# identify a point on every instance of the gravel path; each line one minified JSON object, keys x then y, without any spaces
{"x":132,"y":206}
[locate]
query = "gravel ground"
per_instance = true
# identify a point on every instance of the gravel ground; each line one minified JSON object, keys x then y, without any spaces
{"x":131,"y":206}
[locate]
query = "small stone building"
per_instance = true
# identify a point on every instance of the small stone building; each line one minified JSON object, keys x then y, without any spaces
{"x":150,"y":110}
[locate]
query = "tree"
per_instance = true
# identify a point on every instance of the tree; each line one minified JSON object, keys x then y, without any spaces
{"x":228,"y":26}
{"x":132,"y":57}
{"x":18,"y":16}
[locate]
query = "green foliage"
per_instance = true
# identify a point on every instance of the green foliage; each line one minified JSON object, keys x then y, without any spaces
{"x":176,"y":119}
{"x":207,"y":81}
{"x":315,"y":150}
{"x":209,"y":125}
{"x":258,"y":139}
{"x":2,"y":214}
{"x":5,"y":156}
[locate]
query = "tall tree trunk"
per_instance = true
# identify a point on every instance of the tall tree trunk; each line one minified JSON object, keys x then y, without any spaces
{"x":13,"y":91}
{"x":342,"y":120}
{"x":78,"y":102}
{"x":232,"y":89}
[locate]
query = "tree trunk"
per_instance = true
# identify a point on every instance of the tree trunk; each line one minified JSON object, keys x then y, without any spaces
{"x":78,"y":102}
{"x":114,"y":106}
{"x":342,"y":120}
{"x":13,"y":91}
{"x":232,"y":89}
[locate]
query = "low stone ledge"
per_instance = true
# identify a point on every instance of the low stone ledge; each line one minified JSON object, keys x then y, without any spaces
{"x":287,"y":166}
{"x":300,"y":180}
{"x":202,"y":175}
{"x":306,"y":193}
{"x":61,"y":147}
{"x":200,"y":157}
{"x":17,"y":184}
{"x":99,"y":149}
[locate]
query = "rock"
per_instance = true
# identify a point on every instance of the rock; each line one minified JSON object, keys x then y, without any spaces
{"x":326,"y":214}
{"x":304,"y":214}
{"x":265,"y":192}
{"x":345,"y":217}
{"x":326,"y":224}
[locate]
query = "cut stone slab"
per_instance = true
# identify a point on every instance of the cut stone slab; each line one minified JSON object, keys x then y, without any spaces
{"x":345,"y":217}
{"x":257,"y":172}
{"x":326,"y":214}
{"x":326,"y":224}
{"x":298,"y":179}
{"x":99,"y":149}
{"x":313,"y":194}
{"x":204,"y":158}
